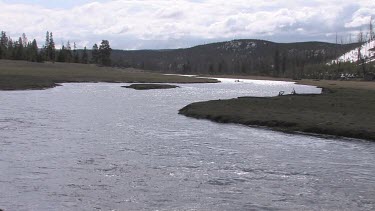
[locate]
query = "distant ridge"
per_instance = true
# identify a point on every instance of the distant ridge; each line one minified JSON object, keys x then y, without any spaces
{"x":245,"y":56}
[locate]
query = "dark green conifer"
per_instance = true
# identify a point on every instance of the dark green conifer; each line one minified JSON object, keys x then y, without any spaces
{"x":95,"y":54}
{"x":105,"y":53}
{"x":84,"y":58}
{"x":51,"y":48}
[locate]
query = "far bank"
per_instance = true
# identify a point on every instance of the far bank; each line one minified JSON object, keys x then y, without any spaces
{"x":22,"y":75}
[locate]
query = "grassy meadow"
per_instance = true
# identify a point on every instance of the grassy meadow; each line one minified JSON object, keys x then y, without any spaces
{"x":22,"y":75}
{"x":346,"y":108}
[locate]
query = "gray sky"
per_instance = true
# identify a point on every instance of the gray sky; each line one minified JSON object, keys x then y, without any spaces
{"x":150,"y":24}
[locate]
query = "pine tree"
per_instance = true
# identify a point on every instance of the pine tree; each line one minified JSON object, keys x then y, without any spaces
{"x":95,"y":54}
{"x":34,"y":54}
{"x":24,"y":40}
{"x":68,"y":52}
{"x":18,"y":50}
{"x":51,"y":48}
{"x":10,"y":49}
{"x":84,"y":58}
{"x":46,"y":47}
{"x":75,"y":54}
{"x":3,"y":45}
{"x":105,"y":53}
{"x":62,"y":54}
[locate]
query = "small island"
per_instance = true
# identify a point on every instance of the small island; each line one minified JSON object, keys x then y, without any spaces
{"x":150,"y":86}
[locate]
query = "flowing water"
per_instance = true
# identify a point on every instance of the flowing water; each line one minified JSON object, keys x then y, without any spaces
{"x":103,"y":147}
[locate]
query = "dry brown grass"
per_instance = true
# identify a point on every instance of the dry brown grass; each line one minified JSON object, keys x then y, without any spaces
{"x":346,"y":109}
{"x":367,"y":85}
{"x":19,"y":75}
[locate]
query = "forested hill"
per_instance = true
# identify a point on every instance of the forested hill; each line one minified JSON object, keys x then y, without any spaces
{"x":256,"y":57}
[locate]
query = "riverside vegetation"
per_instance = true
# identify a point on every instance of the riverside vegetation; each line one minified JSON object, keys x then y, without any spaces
{"x":22,"y":75}
{"x":345,"y":108}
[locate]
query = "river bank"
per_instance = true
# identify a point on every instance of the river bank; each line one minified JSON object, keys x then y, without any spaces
{"x":345,"y":108}
{"x":22,"y":75}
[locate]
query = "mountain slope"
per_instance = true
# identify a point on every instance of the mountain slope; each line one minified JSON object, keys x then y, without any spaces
{"x":256,"y":57}
{"x":365,"y":51}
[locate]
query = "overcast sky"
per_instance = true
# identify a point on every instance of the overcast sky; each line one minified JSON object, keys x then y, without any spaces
{"x":150,"y":24}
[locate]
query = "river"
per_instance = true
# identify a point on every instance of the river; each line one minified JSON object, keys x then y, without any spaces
{"x":97,"y":146}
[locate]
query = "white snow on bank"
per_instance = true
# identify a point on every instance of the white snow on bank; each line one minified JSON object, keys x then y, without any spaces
{"x":240,"y":81}
{"x":352,"y":56}
{"x":251,"y":81}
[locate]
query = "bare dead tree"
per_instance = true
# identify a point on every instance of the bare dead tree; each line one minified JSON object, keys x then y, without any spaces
{"x":372,"y":33}
{"x":361,"y":38}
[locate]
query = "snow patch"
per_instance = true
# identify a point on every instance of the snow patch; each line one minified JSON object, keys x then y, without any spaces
{"x":366,"y":51}
{"x":236,"y":45}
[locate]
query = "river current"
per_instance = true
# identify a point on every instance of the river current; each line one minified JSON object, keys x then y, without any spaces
{"x":97,"y":146}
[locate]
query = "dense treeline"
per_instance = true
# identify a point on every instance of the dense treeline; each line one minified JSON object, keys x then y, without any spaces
{"x":20,"y":49}
{"x":23,"y":49}
{"x":238,"y":57}
{"x":257,"y":57}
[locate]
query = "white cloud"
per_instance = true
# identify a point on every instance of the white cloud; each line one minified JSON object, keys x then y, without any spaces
{"x":361,"y":17}
{"x":133,"y":24}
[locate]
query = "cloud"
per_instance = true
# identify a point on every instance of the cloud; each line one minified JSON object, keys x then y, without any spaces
{"x":361,"y":17}
{"x":131,"y":24}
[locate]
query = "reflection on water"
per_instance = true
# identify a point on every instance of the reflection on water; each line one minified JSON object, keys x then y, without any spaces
{"x":103,"y":147}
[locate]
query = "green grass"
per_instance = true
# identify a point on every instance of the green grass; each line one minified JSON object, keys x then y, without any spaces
{"x":150,"y":86}
{"x":21,"y":75}
{"x":341,"y":111}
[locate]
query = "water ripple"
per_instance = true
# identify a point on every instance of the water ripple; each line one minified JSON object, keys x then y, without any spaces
{"x":102,"y":147}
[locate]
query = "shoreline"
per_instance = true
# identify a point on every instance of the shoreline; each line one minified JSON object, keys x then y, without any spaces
{"x":249,"y":77}
{"x":344,"y":109}
{"x":23,"y":75}
{"x":355,"y":84}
